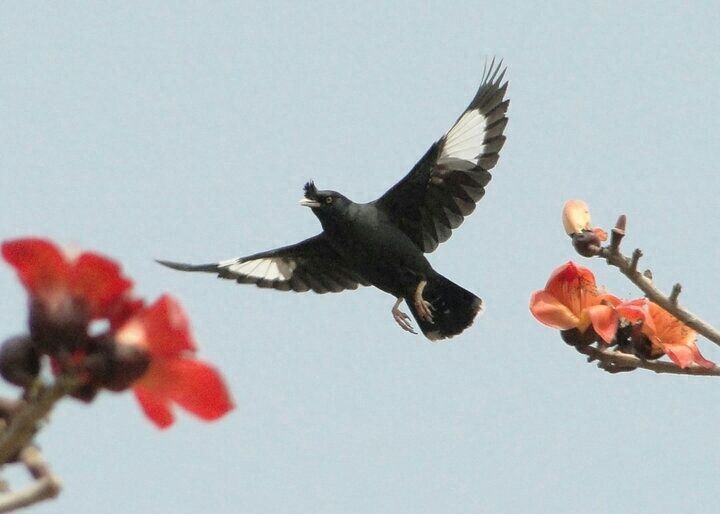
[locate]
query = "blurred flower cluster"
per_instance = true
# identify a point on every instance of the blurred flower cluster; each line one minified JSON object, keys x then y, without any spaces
{"x":572,"y":303}
{"x":84,"y":321}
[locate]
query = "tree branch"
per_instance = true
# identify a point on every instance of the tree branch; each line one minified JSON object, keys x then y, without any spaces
{"x":23,"y":424}
{"x":614,"y":361}
{"x":45,"y":486}
{"x":628,"y":267}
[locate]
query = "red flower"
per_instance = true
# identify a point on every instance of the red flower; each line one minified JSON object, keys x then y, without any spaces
{"x":174,"y":375}
{"x":67,"y":293}
{"x":571,"y":300}
{"x":89,"y":281}
{"x":665,"y":332}
{"x":149,"y":349}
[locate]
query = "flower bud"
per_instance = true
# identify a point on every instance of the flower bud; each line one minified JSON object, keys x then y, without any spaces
{"x":578,"y":339}
{"x":129,"y":364}
{"x":115,"y":366}
{"x":586,"y":243}
{"x":576,"y":217}
{"x":60,"y":328}
{"x":85,"y":393}
{"x":19,"y":361}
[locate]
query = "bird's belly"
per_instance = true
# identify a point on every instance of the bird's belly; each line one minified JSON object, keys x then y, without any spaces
{"x":391,"y":264}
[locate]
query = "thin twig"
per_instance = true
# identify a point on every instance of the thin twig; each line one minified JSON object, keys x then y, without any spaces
{"x":42,"y":489}
{"x":635,"y":259}
{"x":33,"y":460}
{"x":45,"y":486}
{"x":675,"y":293}
{"x":614,"y":361}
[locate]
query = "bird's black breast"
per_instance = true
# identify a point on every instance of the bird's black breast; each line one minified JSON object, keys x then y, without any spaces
{"x":378,"y":250}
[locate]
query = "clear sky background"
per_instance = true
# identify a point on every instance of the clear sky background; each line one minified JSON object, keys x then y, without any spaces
{"x":186,"y":130}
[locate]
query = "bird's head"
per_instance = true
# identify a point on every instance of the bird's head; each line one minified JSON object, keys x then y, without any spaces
{"x":325,"y":204}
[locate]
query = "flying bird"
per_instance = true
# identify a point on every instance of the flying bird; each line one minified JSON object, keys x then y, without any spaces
{"x":383,"y":243}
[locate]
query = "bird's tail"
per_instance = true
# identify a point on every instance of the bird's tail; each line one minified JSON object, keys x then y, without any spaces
{"x":453,"y":308}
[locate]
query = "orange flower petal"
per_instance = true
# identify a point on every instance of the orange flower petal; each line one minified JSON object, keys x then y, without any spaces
{"x":40,"y":264}
{"x":600,"y":234}
{"x":92,"y":283}
{"x":609,"y":299}
{"x":604,"y":321}
{"x":198,"y":388}
{"x":156,"y":408}
{"x":664,"y":328}
{"x":684,"y":355}
{"x":665,"y":331}
{"x":573,"y":286}
{"x":570,"y":273}
{"x":98,"y":281}
{"x":174,"y":375}
{"x":634,"y":310}
{"x":166,"y":328}
{"x":549,"y":311}
{"x":195,"y":386}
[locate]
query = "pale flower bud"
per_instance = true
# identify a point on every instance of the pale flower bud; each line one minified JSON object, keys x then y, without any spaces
{"x":576,"y":217}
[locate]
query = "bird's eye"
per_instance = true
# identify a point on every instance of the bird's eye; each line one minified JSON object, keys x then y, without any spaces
{"x":329,"y":199}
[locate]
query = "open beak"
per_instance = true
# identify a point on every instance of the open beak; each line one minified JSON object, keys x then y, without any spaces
{"x":306,"y":202}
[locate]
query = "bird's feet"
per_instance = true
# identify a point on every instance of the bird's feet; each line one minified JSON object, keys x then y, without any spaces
{"x":401,"y":318}
{"x":423,"y":307}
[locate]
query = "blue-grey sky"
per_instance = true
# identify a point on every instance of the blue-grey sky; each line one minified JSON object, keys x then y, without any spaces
{"x":186,"y":130}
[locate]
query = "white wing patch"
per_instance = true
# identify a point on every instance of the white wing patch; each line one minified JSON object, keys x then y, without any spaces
{"x":464,"y":141}
{"x":267,"y":268}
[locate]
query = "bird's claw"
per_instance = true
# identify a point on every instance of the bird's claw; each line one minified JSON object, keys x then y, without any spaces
{"x":422,"y":306}
{"x":402,"y":319}
{"x":424,"y":309}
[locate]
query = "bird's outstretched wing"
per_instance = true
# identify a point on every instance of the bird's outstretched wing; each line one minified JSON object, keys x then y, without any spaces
{"x":309,"y":265}
{"x":444,"y":186}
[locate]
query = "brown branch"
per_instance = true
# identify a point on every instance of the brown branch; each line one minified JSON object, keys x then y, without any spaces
{"x":628,"y":267}
{"x":24,"y":422}
{"x":614,"y":361}
{"x":21,"y":421}
{"x":42,"y":489}
{"x":45,"y":486}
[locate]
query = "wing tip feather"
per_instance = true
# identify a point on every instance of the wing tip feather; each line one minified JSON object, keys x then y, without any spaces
{"x":181,"y":266}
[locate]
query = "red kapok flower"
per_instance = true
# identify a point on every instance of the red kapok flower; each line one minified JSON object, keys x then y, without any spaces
{"x":66,"y":293}
{"x":571,"y":300}
{"x":174,"y":375}
{"x":53,"y":278}
{"x":665,"y":332}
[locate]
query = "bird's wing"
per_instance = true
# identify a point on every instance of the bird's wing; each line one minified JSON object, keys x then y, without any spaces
{"x":444,"y":186}
{"x":309,"y":265}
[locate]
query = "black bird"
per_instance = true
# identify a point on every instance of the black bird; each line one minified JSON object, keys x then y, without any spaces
{"x":382,"y":243}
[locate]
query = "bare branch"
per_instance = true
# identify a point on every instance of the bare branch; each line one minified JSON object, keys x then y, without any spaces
{"x":24,"y":422}
{"x":45,"y":486}
{"x":42,"y":489}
